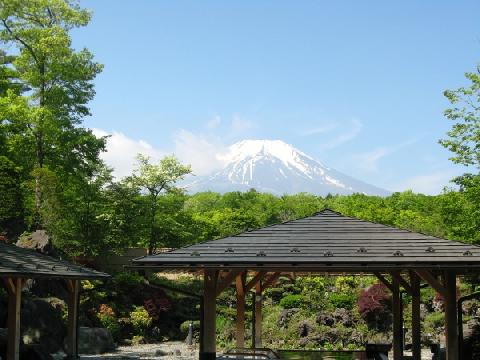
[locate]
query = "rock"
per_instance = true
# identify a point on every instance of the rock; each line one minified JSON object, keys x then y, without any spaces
{"x":42,"y":324}
{"x":304,"y":328}
{"x":178,"y":352}
{"x":325,"y":319}
{"x":285,"y":316}
{"x":34,"y":352}
{"x":343,"y":316}
{"x":161,"y":352}
{"x":471,"y":339}
{"x":38,"y":240}
{"x":95,"y":341}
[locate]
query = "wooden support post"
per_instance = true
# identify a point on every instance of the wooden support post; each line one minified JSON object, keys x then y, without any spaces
{"x":258,"y":315}
{"x":397,"y":321}
{"x":14,"y":287}
{"x":209,"y":350}
{"x":72,"y":330}
{"x":240,"y":335}
{"x":451,"y":335}
{"x":416,"y":329}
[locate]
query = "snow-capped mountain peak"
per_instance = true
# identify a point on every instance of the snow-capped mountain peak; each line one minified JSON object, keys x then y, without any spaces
{"x":277,"y":167}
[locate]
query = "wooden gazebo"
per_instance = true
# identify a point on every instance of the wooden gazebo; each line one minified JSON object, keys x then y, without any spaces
{"x":326,"y":242}
{"x":16,"y":266}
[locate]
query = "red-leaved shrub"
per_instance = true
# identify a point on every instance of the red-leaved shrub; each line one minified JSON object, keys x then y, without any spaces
{"x":373,"y":299}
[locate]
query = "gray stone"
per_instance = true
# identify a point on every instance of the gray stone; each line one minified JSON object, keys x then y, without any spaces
{"x":285,"y":316}
{"x":95,"y":341}
{"x":38,"y":240}
{"x":42,"y":324}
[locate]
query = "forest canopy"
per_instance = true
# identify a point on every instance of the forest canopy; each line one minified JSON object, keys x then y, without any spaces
{"x":53,"y":178}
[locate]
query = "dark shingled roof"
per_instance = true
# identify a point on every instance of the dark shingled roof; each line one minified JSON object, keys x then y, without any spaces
{"x":19,"y":262}
{"x":324,"y":242}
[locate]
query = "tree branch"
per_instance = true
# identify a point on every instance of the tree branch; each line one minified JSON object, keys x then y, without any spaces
{"x":28,"y":47}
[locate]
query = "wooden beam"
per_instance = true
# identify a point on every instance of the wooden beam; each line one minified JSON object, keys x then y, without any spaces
{"x":226,"y":281}
{"x":270,"y":281}
{"x":397,"y":321}
{"x":397,"y":276}
{"x":451,"y":315}
{"x":384,"y":281}
{"x":258,"y":314}
{"x":10,"y":285}
{"x":252,"y":283}
{"x":209,"y":349}
{"x":416,"y":321}
{"x":14,"y":305}
{"x":241,"y":304}
{"x":72,"y":323}
{"x":432,"y":281}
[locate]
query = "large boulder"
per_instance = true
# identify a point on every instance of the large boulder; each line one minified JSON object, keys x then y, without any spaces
{"x":285,"y":316}
{"x":38,"y":240}
{"x":95,"y":341}
{"x":471,"y":339}
{"x":42,"y":323}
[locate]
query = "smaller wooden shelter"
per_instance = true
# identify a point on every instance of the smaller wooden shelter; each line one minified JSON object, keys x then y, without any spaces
{"x":16,"y":266}
{"x":325,"y":243}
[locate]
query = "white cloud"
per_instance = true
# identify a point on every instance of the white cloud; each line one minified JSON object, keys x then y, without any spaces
{"x":430,"y":184}
{"x":240,"y":125}
{"x":201,"y":152}
{"x":214,"y":122}
{"x":122,"y":150}
{"x":319,"y":130}
{"x":353,"y":129}
{"x":368,"y":161}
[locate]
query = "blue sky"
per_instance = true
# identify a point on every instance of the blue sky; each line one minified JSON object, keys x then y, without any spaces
{"x":356,"y":84}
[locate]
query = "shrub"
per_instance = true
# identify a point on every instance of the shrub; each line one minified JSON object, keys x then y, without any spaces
{"x":186,"y":325}
{"x":341,"y":300}
{"x":127,"y":279}
{"x":111,"y":324}
{"x":373,"y":299}
{"x":291,"y":301}
{"x":140,"y":320}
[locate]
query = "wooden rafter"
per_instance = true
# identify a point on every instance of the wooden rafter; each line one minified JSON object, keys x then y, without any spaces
{"x":397,"y":276}
{"x":226,"y":280}
{"x":10,"y":286}
{"x":384,"y":281}
{"x":258,"y":277}
{"x":432,"y":281}
{"x":270,"y":281}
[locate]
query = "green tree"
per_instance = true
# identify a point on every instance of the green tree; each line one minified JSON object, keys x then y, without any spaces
{"x":155,"y":180}
{"x":464,"y":141}
{"x":11,"y":209}
{"x":44,"y":123}
{"x":464,"y":137}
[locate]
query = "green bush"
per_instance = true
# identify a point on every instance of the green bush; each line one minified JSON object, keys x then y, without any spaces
{"x":111,"y":324}
{"x":435,"y":320}
{"x":342,"y":300}
{"x":291,"y":301}
{"x":140,"y":320}
{"x":186,"y":324}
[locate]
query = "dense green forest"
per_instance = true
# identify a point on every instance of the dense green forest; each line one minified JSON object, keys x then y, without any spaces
{"x":52,"y":176}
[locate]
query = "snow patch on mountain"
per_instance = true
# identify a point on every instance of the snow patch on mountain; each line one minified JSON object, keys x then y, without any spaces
{"x":277,"y":167}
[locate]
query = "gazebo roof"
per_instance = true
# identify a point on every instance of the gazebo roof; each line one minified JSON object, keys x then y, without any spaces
{"x":20,"y":262}
{"x":325,"y":242}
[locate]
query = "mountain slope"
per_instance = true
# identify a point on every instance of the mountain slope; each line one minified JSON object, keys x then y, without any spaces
{"x":276,"y":167}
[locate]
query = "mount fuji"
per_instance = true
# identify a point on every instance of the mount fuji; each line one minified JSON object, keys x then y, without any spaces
{"x":276,"y":167}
